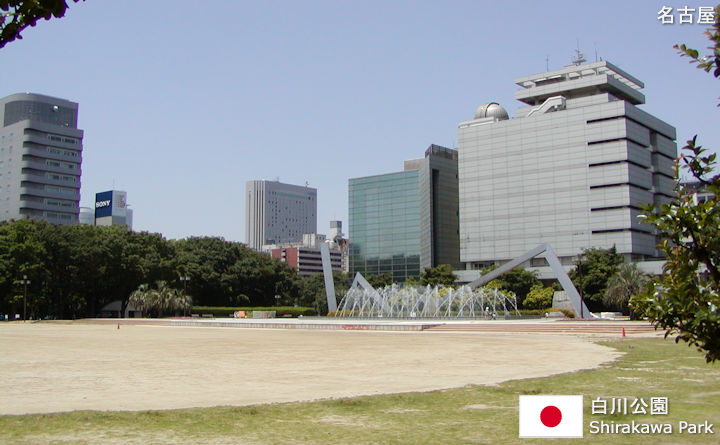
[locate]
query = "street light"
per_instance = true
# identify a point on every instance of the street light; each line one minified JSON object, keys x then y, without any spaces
{"x":25,"y":282}
{"x":184,"y":282}
{"x":580,"y":272}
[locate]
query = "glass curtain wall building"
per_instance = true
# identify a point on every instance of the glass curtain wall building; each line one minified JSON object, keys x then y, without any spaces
{"x":385,"y":225}
{"x":404,"y":222}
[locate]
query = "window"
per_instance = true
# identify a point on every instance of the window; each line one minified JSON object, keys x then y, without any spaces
{"x":59,"y":151}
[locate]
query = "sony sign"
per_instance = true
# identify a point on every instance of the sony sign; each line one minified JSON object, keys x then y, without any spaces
{"x":103,"y":204}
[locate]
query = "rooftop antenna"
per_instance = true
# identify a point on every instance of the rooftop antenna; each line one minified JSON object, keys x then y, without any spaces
{"x":547,"y":62}
{"x":596,"y":57}
{"x":579,"y":57}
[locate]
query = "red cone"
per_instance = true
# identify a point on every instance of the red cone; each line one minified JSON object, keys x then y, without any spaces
{"x":623,"y":332}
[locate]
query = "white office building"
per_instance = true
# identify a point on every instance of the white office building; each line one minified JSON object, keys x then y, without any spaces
{"x":573,"y":168}
{"x":277,"y":213}
{"x":40,"y":158}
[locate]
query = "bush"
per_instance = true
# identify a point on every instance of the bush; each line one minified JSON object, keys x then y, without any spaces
{"x":541,"y":312}
{"x":339,"y":313}
{"x":539,"y":297}
{"x":226,"y":312}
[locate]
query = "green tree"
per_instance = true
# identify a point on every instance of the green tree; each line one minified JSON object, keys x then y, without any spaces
{"x":411,"y":282}
{"x":312,"y":291}
{"x":539,"y":297}
{"x":379,"y":280}
{"x":627,"y":282}
{"x":223,"y":273}
{"x":592,"y":272}
{"x":438,"y":275}
{"x":16,"y":15}
{"x":519,"y":281}
{"x":160,"y":300}
{"x":23,"y":252}
{"x":685,"y":300}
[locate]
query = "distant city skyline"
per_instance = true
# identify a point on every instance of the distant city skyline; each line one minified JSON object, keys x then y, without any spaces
{"x":181,"y":115}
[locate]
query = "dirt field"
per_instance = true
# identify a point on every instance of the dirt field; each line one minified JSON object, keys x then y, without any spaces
{"x":54,"y":367}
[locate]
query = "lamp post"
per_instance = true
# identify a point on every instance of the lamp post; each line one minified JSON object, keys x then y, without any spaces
{"x":184,"y":282}
{"x":580,"y":272}
{"x":25,"y":283}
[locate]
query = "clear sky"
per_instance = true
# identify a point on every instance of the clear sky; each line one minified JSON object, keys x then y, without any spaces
{"x":183,"y":102}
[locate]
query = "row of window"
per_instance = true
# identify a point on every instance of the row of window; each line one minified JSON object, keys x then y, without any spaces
{"x":66,"y":165}
{"x":63,"y":190}
{"x":64,"y":139}
{"x":60,"y":151}
{"x":57,"y":216}
{"x":64,"y":178}
{"x":58,"y":203}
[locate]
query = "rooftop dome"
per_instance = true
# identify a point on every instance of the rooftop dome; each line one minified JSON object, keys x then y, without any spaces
{"x":492,"y":109}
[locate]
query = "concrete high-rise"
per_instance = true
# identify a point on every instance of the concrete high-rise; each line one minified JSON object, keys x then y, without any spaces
{"x":40,"y":158}
{"x":403,"y":222}
{"x":573,"y":168}
{"x":277,"y":213}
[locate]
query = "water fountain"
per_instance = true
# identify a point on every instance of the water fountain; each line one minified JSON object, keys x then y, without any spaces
{"x":425,"y":302}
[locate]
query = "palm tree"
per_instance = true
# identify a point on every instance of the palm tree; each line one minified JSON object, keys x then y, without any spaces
{"x":160,"y":300}
{"x":627,"y":282}
{"x":142,"y":298}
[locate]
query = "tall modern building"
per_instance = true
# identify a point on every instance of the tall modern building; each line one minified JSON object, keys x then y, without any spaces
{"x":111,"y":209}
{"x":403,"y":222}
{"x":40,"y":158}
{"x":277,"y":213}
{"x":573,"y":168}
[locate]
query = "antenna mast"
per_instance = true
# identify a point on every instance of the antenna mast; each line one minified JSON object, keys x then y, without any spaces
{"x":579,"y":57}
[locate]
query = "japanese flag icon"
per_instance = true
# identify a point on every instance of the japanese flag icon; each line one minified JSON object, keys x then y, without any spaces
{"x":551,"y":416}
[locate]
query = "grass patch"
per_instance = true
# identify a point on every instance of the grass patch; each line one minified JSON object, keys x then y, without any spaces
{"x":469,"y":415}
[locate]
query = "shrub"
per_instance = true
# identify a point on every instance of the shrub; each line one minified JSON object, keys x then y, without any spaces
{"x":541,"y":312}
{"x":225,"y":312}
{"x":539,"y":297}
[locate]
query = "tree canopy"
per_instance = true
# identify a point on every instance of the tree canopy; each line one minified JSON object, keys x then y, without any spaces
{"x":592,"y":272}
{"x":627,"y":282}
{"x":685,"y":300}
{"x":16,"y":15}
{"x":75,"y":270}
{"x":438,"y":275}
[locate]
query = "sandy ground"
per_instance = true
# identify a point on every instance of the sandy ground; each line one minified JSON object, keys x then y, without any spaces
{"x":54,"y":367}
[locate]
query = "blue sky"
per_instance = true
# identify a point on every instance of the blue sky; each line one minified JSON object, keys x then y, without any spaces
{"x":183,"y":102}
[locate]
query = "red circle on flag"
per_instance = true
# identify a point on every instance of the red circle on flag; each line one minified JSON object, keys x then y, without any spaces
{"x":551,"y":416}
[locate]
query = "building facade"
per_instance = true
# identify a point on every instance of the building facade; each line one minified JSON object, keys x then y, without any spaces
{"x":403,"y":222}
{"x":87,"y":216}
{"x":305,"y":257}
{"x":111,"y":209}
{"x":277,"y":213}
{"x":573,"y":168}
{"x":337,"y":240}
{"x":40,"y":158}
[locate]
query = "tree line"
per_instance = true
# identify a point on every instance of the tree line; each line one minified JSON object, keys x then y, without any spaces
{"x":75,"y":270}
